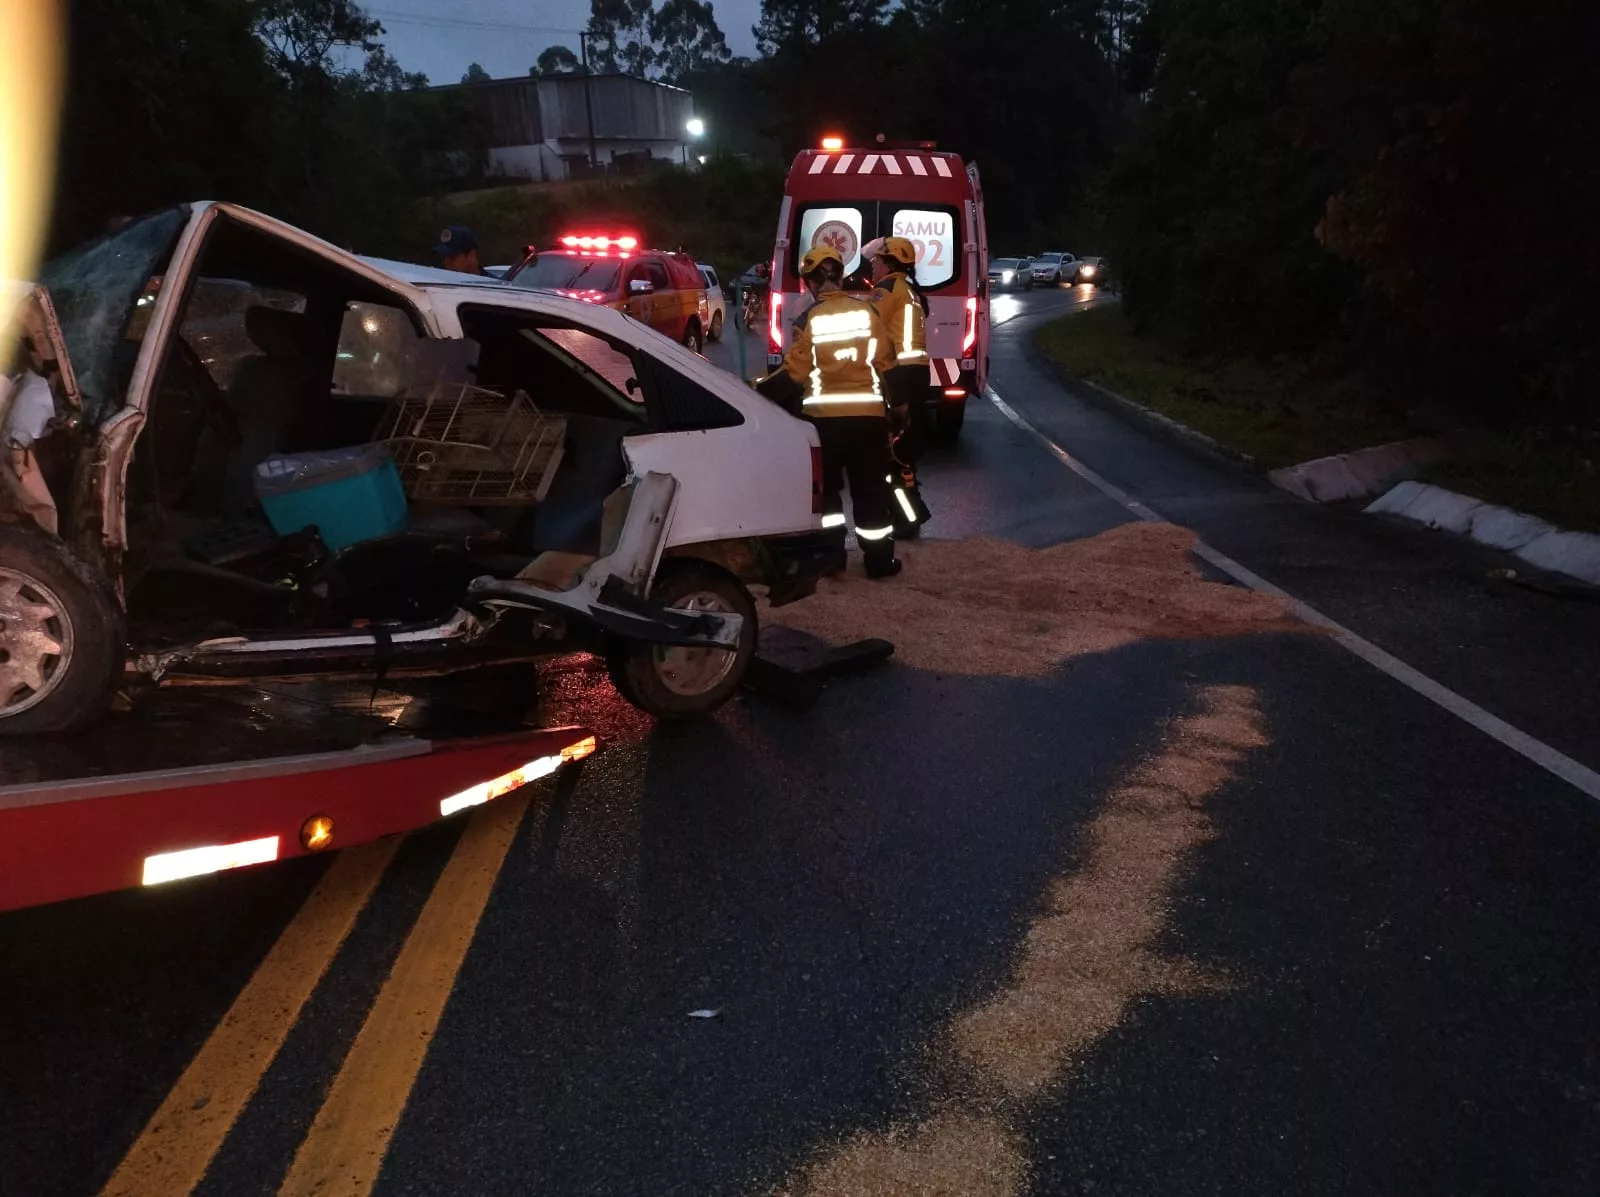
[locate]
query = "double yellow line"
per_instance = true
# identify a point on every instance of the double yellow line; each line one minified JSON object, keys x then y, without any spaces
{"x":345,"y":1147}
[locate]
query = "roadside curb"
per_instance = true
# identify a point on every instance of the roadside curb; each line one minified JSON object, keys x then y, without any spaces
{"x":1164,"y":426}
{"x":1530,"y":539}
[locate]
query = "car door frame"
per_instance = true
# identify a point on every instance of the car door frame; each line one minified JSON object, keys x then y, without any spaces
{"x":665,"y":315}
{"x":119,"y":431}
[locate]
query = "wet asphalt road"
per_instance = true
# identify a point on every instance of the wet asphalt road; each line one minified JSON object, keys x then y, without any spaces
{"x":1398,"y":912}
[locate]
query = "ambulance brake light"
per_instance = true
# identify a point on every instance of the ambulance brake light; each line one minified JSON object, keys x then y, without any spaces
{"x":970,"y":337}
{"x":775,"y":323}
{"x":832,"y":145}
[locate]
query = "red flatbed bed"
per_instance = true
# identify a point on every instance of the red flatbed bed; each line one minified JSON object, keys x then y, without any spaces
{"x":198,"y":780}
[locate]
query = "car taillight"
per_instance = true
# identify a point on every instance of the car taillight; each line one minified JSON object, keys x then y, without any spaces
{"x":816,"y":480}
{"x":775,"y":323}
{"x":970,"y":338}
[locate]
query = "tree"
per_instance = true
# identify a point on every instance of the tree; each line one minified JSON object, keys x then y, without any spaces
{"x":624,"y":26}
{"x":476,"y":74}
{"x":791,"y":24}
{"x":688,"y":38}
{"x":380,"y":72}
{"x":300,"y":35}
{"x":557,"y":60}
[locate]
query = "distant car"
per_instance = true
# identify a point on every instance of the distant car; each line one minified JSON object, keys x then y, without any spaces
{"x":715,"y":300}
{"x":1090,"y":270}
{"x":1010,"y":274}
{"x":1055,"y":269}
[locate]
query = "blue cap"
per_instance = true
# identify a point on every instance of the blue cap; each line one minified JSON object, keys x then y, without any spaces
{"x":457,"y":239}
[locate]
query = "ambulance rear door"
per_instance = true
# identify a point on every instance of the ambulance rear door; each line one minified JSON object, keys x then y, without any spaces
{"x":978,"y":287}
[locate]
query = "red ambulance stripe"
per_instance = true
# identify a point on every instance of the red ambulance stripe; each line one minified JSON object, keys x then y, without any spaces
{"x":893,"y":163}
{"x":868,"y":163}
{"x":916,"y":165}
{"x":818,"y":165}
{"x":844,"y":164}
{"x":943,"y":167}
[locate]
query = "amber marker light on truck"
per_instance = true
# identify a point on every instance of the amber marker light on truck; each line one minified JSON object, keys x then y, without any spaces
{"x":498,"y":787}
{"x":316,"y":833}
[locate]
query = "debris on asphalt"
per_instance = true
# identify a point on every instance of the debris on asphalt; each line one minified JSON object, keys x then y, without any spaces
{"x":985,"y":606}
{"x":705,"y":1014}
{"x":951,"y":1155}
{"x":1094,"y":948}
{"x":1093,"y":951}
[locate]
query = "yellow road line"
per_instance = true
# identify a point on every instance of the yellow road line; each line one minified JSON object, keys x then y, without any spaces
{"x":344,"y":1150}
{"x":177,"y":1145}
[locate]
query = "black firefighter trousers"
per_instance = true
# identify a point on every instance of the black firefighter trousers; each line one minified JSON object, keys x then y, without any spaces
{"x":855,"y":449}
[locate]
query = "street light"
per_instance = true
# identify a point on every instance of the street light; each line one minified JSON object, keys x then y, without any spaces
{"x":694,"y":127}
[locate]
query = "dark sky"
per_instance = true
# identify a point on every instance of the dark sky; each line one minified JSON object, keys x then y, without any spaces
{"x":505,"y":36}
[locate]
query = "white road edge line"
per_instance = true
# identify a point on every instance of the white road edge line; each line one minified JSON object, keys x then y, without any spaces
{"x":1537,"y":751}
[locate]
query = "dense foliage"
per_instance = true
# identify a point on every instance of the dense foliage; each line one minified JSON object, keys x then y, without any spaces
{"x":1403,"y":183}
{"x":1410,"y":182}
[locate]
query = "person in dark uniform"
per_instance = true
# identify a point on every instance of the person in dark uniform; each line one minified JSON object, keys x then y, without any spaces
{"x":904,"y":310}
{"x":458,"y":250}
{"x":833,"y":372}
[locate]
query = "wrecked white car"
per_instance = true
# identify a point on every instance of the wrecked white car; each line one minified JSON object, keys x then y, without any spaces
{"x":230,"y":451}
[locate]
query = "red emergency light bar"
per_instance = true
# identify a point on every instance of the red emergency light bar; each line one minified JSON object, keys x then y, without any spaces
{"x":586,"y":241}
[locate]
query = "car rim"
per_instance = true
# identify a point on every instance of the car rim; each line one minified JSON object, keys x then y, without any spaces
{"x":691,"y":672}
{"x":35,"y":642}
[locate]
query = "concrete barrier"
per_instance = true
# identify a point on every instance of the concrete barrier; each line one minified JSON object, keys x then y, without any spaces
{"x":1540,"y":544}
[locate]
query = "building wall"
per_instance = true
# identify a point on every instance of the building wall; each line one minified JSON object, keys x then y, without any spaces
{"x":548,"y":160}
{"x":623,"y":108}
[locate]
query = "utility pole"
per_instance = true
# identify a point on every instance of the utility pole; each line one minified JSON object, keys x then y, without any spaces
{"x":588,"y":100}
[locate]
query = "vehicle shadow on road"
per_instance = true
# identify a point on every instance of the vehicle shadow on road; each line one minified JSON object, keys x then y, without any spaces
{"x":827,"y":888}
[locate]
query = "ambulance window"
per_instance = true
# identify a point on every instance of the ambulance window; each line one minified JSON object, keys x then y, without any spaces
{"x":838,"y":227}
{"x":933,"y":232}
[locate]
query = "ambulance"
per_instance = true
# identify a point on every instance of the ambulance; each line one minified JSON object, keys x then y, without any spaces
{"x":846,"y":197}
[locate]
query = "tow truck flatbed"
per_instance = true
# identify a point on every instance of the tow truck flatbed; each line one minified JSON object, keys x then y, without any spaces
{"x":194,"y":781}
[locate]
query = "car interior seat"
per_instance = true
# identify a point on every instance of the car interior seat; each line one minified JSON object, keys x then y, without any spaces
{"x":277,"y":395}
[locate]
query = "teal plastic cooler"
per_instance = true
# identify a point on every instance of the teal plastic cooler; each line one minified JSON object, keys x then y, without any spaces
{"x":348,"y":495}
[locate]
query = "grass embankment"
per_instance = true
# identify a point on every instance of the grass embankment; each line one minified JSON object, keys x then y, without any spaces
{"x":1277,"y":412}
{"x":1286,"y":411}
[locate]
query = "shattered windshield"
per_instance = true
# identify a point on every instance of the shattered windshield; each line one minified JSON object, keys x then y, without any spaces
{"x":95,"y":287}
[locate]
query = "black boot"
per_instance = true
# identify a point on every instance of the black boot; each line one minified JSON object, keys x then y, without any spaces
{"x":880,"y":559}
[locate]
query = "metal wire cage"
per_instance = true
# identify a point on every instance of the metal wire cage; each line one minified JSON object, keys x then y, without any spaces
{"x":473,"y":446}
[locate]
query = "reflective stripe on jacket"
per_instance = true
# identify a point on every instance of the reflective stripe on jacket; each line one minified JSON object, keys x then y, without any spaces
{"x":904,"y":318}
{"x":839,"y":357}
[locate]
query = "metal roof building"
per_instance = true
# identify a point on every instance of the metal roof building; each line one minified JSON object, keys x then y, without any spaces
{"x":545,"y":127}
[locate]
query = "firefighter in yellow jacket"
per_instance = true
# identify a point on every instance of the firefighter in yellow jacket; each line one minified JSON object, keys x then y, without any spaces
{"x":834,"y":372}
{"x":899,"y":301}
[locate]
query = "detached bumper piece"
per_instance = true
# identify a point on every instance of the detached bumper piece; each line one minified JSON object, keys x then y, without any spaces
{"x":791,"y":667}
{"x":621,"y":612}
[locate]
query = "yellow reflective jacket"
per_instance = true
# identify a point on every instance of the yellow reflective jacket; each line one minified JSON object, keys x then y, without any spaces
{"x":838,"y":356}
{"x":903,"y":317}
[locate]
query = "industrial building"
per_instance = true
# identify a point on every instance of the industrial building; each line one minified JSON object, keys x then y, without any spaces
{"x":569,"y":126}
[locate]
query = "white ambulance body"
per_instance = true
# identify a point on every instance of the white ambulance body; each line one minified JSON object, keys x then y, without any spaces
{"x":847,"y":197}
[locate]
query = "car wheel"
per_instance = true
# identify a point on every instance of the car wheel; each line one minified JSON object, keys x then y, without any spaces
{"x":716,"y":326}
{"x":692,"y":338}
{"x":947,"y":422}
{"x":62,"y":641}
{"x":676,"y":682}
